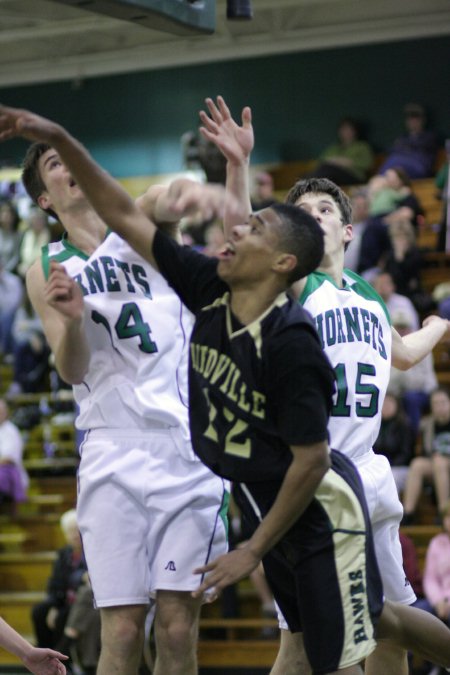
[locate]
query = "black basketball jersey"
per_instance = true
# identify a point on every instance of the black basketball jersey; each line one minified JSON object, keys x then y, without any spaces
{"x":253,"y":390}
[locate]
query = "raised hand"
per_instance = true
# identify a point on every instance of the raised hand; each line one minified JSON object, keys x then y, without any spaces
{"x":234,"y":141}
{"x":63,"y":293}
{"x":15,"y":122}
{"x":188,"y":198}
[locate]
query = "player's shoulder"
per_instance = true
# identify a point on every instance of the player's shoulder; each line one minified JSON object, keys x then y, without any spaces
{"x":291,"y":320}
{"x":364,"y":290}
{"x":315,"y":283}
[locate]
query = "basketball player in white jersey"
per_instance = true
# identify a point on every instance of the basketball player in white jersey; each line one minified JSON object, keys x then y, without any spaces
{"x":360,"y":342}
{"x":149,"y":511}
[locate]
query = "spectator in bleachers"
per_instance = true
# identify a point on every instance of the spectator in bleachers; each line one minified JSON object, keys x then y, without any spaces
{"x":433,"y":465}
{"x":395,"y":302}
{"x":349,"y":160}
{"x":395,"y":439}
{"x":414,"y":576}
{"x":415,"y":385}
{"x":391,"y":202}
{"x":35,"y":236}
{"x":69,"y":570}
{"x":436,"y":576}
{"x":263,"y":195}
{"x":11,"y":293}
{"x":360,"y":209}
{"x":9,"y":236}
{"x":404,"y":262}
{"x":441,"y":182}
{"x":415,"y":151}
{"x":82,"y":630}
{"x":391,"y":195}
{"x":30,"y":350}
{"x":13,"y":476}
{"x":441,"y":296}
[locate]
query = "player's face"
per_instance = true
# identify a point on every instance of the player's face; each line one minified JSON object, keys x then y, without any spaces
{"x":250,"y":253}
{"x":61,"y":190}
{"x":325,"y":210}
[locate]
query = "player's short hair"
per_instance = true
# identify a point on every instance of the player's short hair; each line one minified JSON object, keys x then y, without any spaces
{"x":318,"y":186}
{"x":31,"y":176}
{"x":302,"y":236}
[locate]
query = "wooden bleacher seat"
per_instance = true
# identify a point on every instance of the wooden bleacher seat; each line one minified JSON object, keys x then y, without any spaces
{"x":16,"y":610}
{"x":237,"y":653}
{"x":23,"y":572}
{"x":39,"y":532}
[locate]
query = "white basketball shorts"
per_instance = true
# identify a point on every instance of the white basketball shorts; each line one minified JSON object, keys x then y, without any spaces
{"x":148,"y":517}
{"x":386,"y":511}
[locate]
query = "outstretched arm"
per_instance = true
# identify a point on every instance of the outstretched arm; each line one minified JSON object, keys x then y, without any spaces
{"x":166,"y":204}
{"x":38,"y":661}
{"x":113,"y":204}
{"x":412,"y":348}
{"x":236,"y":144}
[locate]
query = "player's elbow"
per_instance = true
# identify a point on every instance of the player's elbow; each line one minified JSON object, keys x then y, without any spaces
{"x":404,"y":362}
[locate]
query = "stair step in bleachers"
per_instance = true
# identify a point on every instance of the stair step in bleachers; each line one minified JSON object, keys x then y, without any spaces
{"x":13,"y":540}
{"x":15,"y":608}
{"x":34,"y":532}
{"x":23,"y":572}
{"x":237,"y":653}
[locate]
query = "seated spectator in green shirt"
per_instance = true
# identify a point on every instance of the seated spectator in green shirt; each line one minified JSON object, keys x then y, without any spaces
{"x":349,"y":161}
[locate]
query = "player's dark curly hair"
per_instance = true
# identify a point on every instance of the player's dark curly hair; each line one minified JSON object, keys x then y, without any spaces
{"x":31,"y":176}
{"x":301,"y":235}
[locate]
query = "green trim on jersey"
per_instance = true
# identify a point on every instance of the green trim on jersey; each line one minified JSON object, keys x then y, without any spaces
{"x":313,"y":282}
{"x":362,"y":287}
{"x":68,"y":252}
{"x":359,"y":285}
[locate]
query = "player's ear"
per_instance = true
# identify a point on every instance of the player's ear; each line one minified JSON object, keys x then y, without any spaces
{"x":285,"y":263}
{"x":44,"y":201}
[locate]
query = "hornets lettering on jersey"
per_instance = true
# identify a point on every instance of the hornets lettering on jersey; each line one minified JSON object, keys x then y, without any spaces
{"x":355,"y":330}
{"x":349,"y":325}
{"x":100,"y":276}
{"x":134,"y":324}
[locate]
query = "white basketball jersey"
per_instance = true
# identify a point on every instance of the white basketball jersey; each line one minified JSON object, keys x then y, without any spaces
{"x":138,"y":331}
{"x":354,"y":326}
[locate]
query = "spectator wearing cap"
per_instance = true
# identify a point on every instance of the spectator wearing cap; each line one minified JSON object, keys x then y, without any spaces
{"x":415,"y":151}
{"x":263,"y":196}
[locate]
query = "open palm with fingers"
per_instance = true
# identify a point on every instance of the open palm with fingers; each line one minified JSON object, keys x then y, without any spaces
{"x":234,"y":141}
